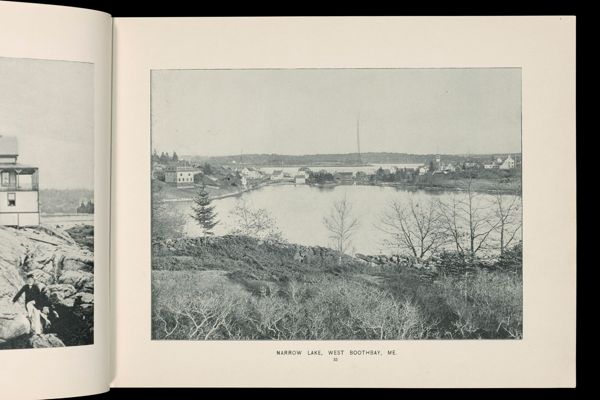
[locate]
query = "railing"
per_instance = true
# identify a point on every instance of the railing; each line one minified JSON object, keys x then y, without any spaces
{"x":18,"y":188}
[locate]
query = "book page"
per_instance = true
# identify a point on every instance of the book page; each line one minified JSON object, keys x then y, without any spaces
{"x":344,"y":202}
{"x":55,"y":111}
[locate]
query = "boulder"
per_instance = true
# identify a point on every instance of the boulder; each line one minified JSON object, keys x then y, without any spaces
{"x":84,"y":298}
{"x":13,"y":324}
{"x":71,"y":263}
{"x":60,"y":293}
{"x":45,"y":341}
{"x":43,"y":277}
{"x":77,"y":278}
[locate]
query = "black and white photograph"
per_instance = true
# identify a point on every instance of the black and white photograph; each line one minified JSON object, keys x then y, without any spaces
{"x":332,"y":204}
{"x":46,"y":203}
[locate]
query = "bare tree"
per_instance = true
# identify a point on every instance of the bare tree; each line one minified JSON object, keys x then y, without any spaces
{"x":452,"y":221}
{"x":468,"y":217}
{"x":508,"y":215}
{"x":254,"y":222}
{"x":341,"y":225}
{"x":414,"y":226}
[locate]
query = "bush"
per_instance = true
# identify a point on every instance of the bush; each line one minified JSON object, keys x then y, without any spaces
{"x":236,"y":287}
{"x":486,"y":305}
{"x":342,"y":310}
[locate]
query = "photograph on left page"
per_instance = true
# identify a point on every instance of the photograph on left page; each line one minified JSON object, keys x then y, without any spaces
{"x":46,"y":203}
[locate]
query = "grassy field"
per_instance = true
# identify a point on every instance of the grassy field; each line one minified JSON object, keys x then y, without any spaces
{"x":241,"y":288}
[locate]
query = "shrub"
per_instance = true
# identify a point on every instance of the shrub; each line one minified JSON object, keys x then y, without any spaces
{"x":486,"y":305}
{"x":342,"y":310}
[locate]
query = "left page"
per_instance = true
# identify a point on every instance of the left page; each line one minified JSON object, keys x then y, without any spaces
{"x":55,"y":110}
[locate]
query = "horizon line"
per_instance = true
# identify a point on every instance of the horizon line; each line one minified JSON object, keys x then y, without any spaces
{"x":350,"y":153}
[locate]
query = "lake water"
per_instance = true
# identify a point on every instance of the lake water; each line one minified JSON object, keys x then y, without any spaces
{"x":299,"y":211}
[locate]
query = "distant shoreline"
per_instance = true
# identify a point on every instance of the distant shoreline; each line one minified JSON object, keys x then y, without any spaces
{"x":334,"y":184}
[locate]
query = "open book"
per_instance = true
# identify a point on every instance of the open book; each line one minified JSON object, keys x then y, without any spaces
{"x":335,"y":202}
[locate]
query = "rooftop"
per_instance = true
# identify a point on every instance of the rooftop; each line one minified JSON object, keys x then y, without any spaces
{"x":8,"y":146}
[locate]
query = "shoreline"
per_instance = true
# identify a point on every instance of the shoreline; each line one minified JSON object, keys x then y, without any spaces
{"x":333,"y":184}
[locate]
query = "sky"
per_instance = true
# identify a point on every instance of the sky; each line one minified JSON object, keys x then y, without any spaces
{"x":49,"y":106}
{"x":315,"y":111}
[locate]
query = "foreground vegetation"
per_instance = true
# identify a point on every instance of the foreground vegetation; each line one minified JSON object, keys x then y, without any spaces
{"x":237,"y":287}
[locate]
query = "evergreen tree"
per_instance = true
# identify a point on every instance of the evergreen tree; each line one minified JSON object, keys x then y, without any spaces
{"x":204,"y":212}
{"x":175,"y":157}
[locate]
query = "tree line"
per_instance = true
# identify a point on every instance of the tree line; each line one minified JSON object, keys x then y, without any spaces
{"x":164,"y":158}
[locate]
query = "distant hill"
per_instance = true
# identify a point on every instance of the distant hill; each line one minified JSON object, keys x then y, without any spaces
{"x":63,"y":200}
{"x":341,"y":159}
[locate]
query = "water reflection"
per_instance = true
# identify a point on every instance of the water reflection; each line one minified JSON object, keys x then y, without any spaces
{"x":299,"y":211}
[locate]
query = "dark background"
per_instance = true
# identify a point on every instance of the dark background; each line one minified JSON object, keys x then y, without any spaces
{"x":191,"y":8}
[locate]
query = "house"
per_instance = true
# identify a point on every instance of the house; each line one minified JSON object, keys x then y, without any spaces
{"x":180,"y":176}
{"x":508,"y":163}
{"x":423,"y":169}
{"x":498,"y":163}
{"x":449,"y":167}
{"x":304,"y":172}
{"x":300,"y":179}
{"x":19,"y":196}
{"x":250,"y":173}
{"x":277,"y":175}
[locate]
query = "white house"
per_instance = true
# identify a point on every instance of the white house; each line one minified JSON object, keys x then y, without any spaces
{"x":300,"y":179}
{"x":250,"y":173}
{"x":19,"y":196}
{"x":449,"y":168}
{"x":509,"y":163}
{"x":423,"y":169}
{"x":180,"y":176}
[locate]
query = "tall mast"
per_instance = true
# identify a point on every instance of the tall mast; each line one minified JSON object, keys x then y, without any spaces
{"x":358,"y":137}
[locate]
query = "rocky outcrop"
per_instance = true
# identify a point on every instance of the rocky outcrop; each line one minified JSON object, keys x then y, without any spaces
{"x":61,"y":267}
{"x":45,"y":340}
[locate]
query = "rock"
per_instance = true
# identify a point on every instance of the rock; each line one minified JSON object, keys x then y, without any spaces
{"x":49,"y":268}
{"x":45,"y":341}
{"x":64,"y":270}
{"x":79,"y":279}
{"x":13,"y":325}
{"x":60,"y":293}
{"x":84,"y":298}
{"x":78,"y":264}
{"x":43,"y":277}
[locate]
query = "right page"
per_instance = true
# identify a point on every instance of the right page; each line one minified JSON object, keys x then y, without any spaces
{"x":344,"y":202}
